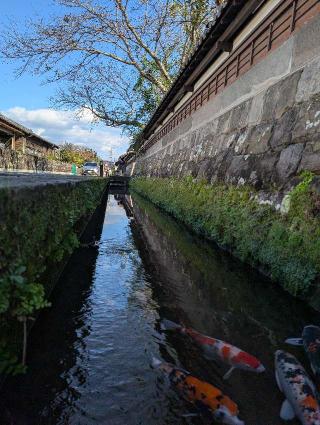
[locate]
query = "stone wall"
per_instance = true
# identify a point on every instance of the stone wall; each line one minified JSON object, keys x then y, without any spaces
{"x":15,"y":160}
{"x":262,"y":130}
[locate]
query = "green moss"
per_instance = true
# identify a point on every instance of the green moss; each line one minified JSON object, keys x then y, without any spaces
{"x":286,"y":246}
{"x":38,"y":229}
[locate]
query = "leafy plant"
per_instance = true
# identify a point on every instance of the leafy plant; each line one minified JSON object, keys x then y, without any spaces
{"x":20,"y":299}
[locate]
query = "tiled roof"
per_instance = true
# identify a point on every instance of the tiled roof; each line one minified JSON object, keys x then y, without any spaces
{"x":27,"y":131}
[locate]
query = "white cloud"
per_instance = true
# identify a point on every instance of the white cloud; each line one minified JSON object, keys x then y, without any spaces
{"x":58,"y":127}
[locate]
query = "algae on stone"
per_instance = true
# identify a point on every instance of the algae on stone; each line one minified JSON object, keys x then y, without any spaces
{"x":39,"y":228}
{"x":285,"y":246}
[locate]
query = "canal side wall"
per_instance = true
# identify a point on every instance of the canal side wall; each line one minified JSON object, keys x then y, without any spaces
{"x":41,"y":220}
{"x":262,"y":130}
{"x":283,"y":244}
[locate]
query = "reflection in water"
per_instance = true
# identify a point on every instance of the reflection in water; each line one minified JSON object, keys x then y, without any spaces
{"x":90,"y":353}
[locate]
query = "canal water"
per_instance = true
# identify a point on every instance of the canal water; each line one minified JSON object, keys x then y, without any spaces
{"x":89,"y":354}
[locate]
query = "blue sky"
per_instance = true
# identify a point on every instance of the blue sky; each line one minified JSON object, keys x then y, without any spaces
{"x":26,"y":99}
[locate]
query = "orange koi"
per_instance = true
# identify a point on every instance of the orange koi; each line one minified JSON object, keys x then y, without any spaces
{"x":202,"y":394}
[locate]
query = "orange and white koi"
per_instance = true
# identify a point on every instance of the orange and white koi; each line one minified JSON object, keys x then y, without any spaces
{"x":300,"y":392}
{"x":201,"y":394}
{"x":217,"y":349}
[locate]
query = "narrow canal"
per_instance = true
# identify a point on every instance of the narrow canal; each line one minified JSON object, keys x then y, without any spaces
{"x":89,"y":355}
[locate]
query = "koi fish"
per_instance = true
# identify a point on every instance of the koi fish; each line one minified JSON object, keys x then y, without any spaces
{"x":299,"y":390}
{"x":311,"y":344}
{"x":203,"y":395}
{"x":215,"y":348}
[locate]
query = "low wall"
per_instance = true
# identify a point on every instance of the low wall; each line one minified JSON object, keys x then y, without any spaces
{"x":15,"y":160}
{"x":262,"y":130}
{"x":41,"y":218}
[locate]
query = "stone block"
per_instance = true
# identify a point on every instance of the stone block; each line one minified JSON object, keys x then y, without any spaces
{"x":221,"y":143}
{"x":239,"y":116}
{"x":282,"y":131}
{"x":193,"y":139}
{"x":280,"y":97}
{"x":253,"y":140}
{"x":241,"y":141}
{"x":308,"y":120}
{"x":309,"y":83}
{"x":164,"y":141}
{"x":258,"y":139}
{"x":206,"y":134}
{"x":224,"y":122}
{"x":221,"y":164}
{"x":256,"y":170}
{"x":239,"y":169}
{"x":173,"y":134}
{"x":205,"y":169}
{"x":255,"y":113}
{"x":289,"y":161}
{"x":262,"y":169}
{"x":311,"y":157}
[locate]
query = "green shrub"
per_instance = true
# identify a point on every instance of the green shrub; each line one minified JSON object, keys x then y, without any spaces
{"x":38,"y":229}
{"x":286,"y":246}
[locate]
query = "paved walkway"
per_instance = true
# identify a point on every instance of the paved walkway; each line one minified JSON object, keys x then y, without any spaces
{"x":21,"y":180}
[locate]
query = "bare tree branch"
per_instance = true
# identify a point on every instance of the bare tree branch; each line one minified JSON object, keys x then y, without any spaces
{"x":116,"y":58}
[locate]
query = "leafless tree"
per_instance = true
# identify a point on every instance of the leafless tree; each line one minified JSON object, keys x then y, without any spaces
{"x":116,"y":58}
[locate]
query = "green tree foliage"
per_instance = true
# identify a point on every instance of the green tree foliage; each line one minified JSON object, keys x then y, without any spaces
{"x":76,"y":154}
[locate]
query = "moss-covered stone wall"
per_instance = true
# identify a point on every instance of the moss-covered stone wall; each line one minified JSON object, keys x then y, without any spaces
{"x":285,"y":245}
{"x":39,"y":228}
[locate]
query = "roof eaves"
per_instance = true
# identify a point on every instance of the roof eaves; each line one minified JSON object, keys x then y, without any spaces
{"x":217,"y":29}
{"x":25,"y":130}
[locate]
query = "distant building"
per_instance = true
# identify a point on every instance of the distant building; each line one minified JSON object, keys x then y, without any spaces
{"x":108,"y":164}
{"x":121,"y":163}
{"x":19,"y":138}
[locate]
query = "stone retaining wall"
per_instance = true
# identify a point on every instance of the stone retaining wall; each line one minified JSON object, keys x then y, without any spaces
{"x":14,"y":160}
{"x":42,"y":217}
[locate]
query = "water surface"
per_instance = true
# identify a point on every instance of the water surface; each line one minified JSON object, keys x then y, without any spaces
{"x":89,"y":355}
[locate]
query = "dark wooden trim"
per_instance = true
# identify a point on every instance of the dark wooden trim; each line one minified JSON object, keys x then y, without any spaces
{"x":224,"y":46}
{"x":188,"y":88}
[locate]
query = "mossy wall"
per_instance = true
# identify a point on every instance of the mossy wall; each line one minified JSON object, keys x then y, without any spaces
{"x":286,"y":246}
{"x":39,"y":228}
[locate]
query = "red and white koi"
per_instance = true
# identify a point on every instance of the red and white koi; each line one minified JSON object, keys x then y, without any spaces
{"x":217,"y":349}
{"x":203,"y":395}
